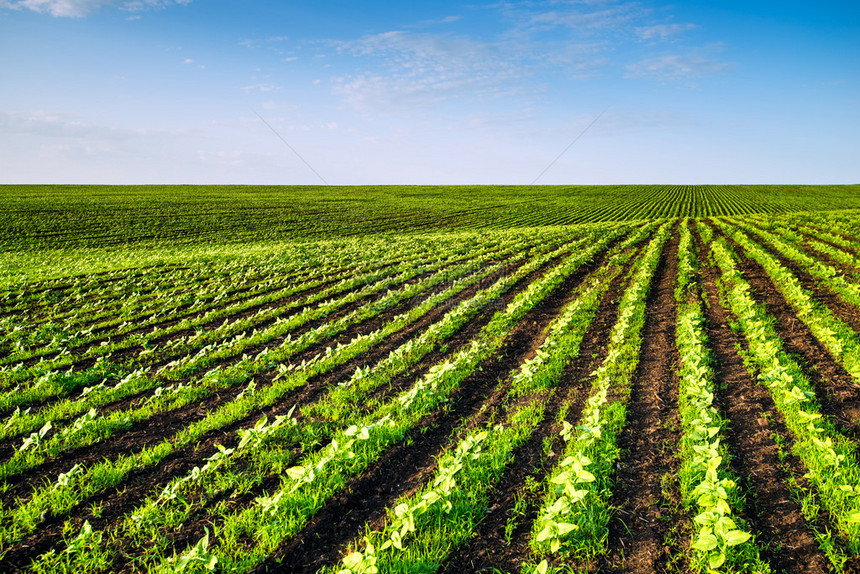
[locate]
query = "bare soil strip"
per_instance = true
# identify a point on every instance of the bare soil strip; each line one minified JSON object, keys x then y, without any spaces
{"x":60,"y":290}
{"x":166,"y":358}
{"x":177,"y":314}
{"x":782,"y":533}
{"x":134,"y":351}
{"x":826,"y":258}
{"x":645,"y":510}
{"x":817,"y":228}
{"x":236,"y":296}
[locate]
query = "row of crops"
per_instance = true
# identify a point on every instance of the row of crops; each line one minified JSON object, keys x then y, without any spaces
{"x":445,"y":402}
{"x":48,"y":217}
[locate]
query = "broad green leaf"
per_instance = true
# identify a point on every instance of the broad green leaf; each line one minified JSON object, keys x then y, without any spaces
{"x":353,"y":559}
{"x":296,"y":472}
{"x":562,"y":478}
{"x":716,"y":560}
{"x":401,"y":509}
{"x":584,"y":476}
{"x":397,"y":540}
{"x":547,"y":532}
{"x":736,"y":537}
{"x":705,"y":542}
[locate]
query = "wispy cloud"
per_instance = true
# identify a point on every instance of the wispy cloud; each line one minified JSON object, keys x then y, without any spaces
{"x":672,"y":67}
{"x":532,"y":42}
{"x":81,"y":8}
{"x":424,"y":68}
{"x":261,"y":88}
{"x":435,"y":22}
{"x":59,"y":125}
{"x":582,"y":17}
{"x":258,"y":42}
{"x":663,"y":31}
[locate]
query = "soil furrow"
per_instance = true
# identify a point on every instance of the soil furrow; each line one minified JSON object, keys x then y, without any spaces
{"x":646,"y":510}
{"x":315,"y":387}
{"x":151,"y":431}
{"x":119,"y":500}
{"x":177,"y":315}
{"x":448,"y":347}
{"x":851,"y":272}
{"x":166,"y":356}
{"x":61,"y":289}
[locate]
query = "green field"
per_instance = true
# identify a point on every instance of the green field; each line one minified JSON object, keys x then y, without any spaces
{"x":430,"y":379}
{"x":36,"y":217}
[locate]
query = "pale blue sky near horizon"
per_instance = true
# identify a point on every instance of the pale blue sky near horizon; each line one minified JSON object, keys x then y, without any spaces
{"x":173,"y":91}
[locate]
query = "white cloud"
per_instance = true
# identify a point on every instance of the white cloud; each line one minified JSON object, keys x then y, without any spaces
{"x":271,"y":41}
{"x":421,"y":68}
{"x":663,"y":31}
{"x":436,"y":22}
{"x":261,"y":88}
{"x":579,"y":16}
{"x":58,"y":125}
{"x":673,"y":67}
{"x":81,"y":8}
{"x":538,"y":41}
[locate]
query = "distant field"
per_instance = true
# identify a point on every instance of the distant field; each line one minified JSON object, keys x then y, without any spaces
{"x":35,"y":217}
{"x":455,"y":380}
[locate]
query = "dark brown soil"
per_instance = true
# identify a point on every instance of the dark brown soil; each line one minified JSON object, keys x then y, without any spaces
{"x":176,"y":316}
{"x":649,"y":531}
{"x":826,"y":258}
{"x":6,"y":446}
{"x":147,"y":433}
{"x":646,"y":509}
{"x":815,"y":228}
{"x":236,"y":295}
{"x":320,"y":383}
{"x":847,"y":312}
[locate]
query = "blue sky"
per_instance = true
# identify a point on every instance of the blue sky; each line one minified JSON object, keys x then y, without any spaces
{"x":181,"y":91}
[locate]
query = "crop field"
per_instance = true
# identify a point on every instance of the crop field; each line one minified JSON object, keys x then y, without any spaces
{"x":357,"y":380}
